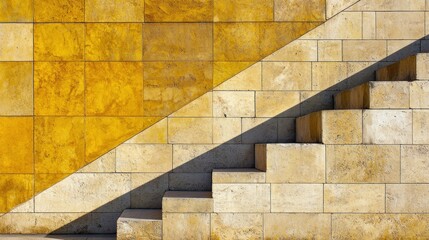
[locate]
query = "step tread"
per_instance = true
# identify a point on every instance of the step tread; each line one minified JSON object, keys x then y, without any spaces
{"x":141,"y":215}
{"x":187,"y":194}
{"x":238,"y":175}
{"x":187,"y":201}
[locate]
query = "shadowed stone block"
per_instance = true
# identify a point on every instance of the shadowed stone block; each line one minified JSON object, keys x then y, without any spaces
{"x":187,"y":202}
{"x":140,"y":224}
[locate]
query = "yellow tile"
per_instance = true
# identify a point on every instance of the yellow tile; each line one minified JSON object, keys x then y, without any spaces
{"x":298,"y":10}
{"x":156,"y":133}
{"x":16,"y":42}
{"x":177,"y":41}
{"x":16,"y":88}
{"x":114,"y":88}
{"x":59,"y":11}
{"x":16,"y":145}
{"x":113,"y":42}
{"x":179,"y":11}
{"x":169,"y":86}
{"x":45,"y":181}
{"x":105,"y":133}
{"x":16,"y":11}
{"x":59,"y":144}
{"x":114,"y":10}
{"x":15,"y":189}
{"x":59,"y":42}
{"x":223,"y":71}
{"x":243,"y":10}
{"x":59,"y":88}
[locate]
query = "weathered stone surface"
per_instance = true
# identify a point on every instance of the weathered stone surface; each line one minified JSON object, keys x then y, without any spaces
{"x":286,"y":75}
{"x":156,"y":133}
{"x":364,"y":50}
{"x":200,"y":107}
{"x":238,"y":175}
{"x":236,"y":226}
{"x":248,"y":79}
{"x":368,"y":25}
{"x":178,"y":11}
{"x":114,"y":11}
{"x":226,"y":130}
{"x":389,"y":5}
{"x":356,"y":198}
{"x":408,"y":69}
{"x":387,"y":127}
{"x":256,"y":130}
{"x":140,"y":224}
{"x":328,"y":75}
{"x":190,"y":181}
{"x":144,"y":158}
{"x":183,"y":130}
{"x":330,"y":50}
{"x":296,"y":198}
{"x":17,"y":43}
{"x":291,"y":163}
{"x":363,"y":164}
{"x":187,"y":202}
{"x":243,"y":10}
{"x":298,"y":50}
{"x":241,"y":198}
{"x":225,"y":104}
{"x":297,"y":226}
{"x":333,"y":7}
{"x":147,"y":189}
{"x":186,"y":226}
{"x":415,"y":164}
{"x":407,"y":198}
{"x":411,"y":23}
{"x":345,"y":25}
{"x":313,"y":10}
{"x":419,"y":94}
{"x":54,"y":11}
{"x":421,"y":127}
{"x":105,"y":163}
{"x":267,"y":104}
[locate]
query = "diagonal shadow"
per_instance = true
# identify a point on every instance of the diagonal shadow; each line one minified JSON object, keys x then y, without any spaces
{"x":203,"y":164}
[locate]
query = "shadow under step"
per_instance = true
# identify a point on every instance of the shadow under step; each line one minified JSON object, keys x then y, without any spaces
{"x":412,"y":68}
{"x":140,"y":224}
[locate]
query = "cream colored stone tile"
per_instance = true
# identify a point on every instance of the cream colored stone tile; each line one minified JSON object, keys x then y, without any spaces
{"x":297,"y":226}
{"x":345,"y":25}
{"x":190,"y":130}
{"x":389,"y":95}
{"x":330,"y":50}
{"x":257,"y":130}
{"x":296,"y":198}
{"x":105,"y":163}
{"x":156,"y":133}
{"x":368,"y":28}
{"x":400,"y":25}
{"x":238,"y":175}
{"x":364,"y":50}
{"x":192,"y":226}
{"x":293,"y":163}
{"x":147,"y":189}
{"x":363,"y":163}
{"x":190,"y":181}
{"x":333,"y":7}
{"x":16,"y":42}
{"x":354,"y":198}
{"x":286,"y":130}
{"x":187,"y":202}
{"x":415,"y":164}
{"x":233,"y":104}
{"x":298,"y":50}
{"x":400,"y":49}
{"x":419,"y":94}
{"x":329,"y":75}
{"x":26,"y":207}
{"x":236,"y":226}
{"x":267,"y":104}
{"x":248,"y":79}
{"x":286,"y":76}
{"x":204,"y":158}
{"x":380,"y":226}
{"x":200,"y":107}
{"x":407,"y":198}
{"x":387,"y":127}
{"x":140,"y":224}
{"x":234,"y":198}
{"x":421,"y":127}
{"x":388,"y":5}
{"x":86,"y":192}
{"x":144,"y":158}
{"x":226,"y":130}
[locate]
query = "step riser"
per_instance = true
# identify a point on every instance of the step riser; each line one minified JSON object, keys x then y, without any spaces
{"x":187,"y":202}
{"x":409,"y":69}
{"x":140,"y":224}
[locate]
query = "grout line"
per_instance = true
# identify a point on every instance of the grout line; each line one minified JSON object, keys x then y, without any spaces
{"x":34,"y":123}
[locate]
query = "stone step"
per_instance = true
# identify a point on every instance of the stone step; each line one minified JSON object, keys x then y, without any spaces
{"x":375,"y":95}
{"x":187,"y":202}
{"x":412,"y":68}
{"x":145,"y":224}
{"x":238,"y":175}
{"x":357,"y":127}
{"x":291,"y":163}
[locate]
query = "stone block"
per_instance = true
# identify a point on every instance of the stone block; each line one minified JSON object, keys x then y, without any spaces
{"x":236,"y":198}
{"x":147,"y":189}
{"x":345,"y":25}
{"x":226,"y":130}
{"x":415,"y":164}
{"x":419,"y":94}
{"x":329,"y":75}
{"x":140,"y":224}
{"x":248,"y":79}
{"x":277,"y":104}
{"x":297,"y":198}
{"x":144,"y":158}
{"x":238,"y":175}
{"x":256,"y":130}
{"x":184,"y":130}
{"x":412,"y":25}
{"x":364,"y":50}
{"x":236,"y":226}
{"x":17,"y":42}
{"x":330,"y":50}
{"x":187,"y":202}
{"x":408,"y":69}
{"x":421,"y":127}
{"x":233,"y":104}
{"x":407,"y":198}
{"x":184,"y":226}
{"x":298,"y":50}
{"x":286,"y":75}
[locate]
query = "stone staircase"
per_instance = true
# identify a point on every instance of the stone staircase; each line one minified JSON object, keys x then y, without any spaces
{"x":357,"y":172}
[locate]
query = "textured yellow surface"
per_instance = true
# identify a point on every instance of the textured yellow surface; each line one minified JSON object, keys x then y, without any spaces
{"x":113,"y":42}
{"x":312,"y":10}
{"x":16,"y":88}
{"x":178,"y":11}
{"x":114,"y":88}
{"x":59,"y":88}
{"x":177,"y":41}
{"x":16,"y":11}
{"x":114,"y":10}
{"x":16,"y":145}
{"x":243,"y":10}
{"x":46,"y":180}
{"x":170,"y":85}
{"x":225,"y":70}
{"x":59,"y":42}
{"x":59,"y":144}
{"x":15,"y":189}
{"x":59,"y":11}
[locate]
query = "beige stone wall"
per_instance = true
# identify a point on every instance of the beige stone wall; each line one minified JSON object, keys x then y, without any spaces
{"x":259,"y":105}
